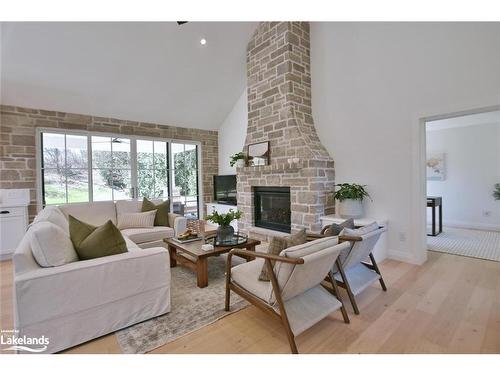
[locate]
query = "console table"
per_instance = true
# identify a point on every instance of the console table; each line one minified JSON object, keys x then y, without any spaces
{"x":434,"y":202}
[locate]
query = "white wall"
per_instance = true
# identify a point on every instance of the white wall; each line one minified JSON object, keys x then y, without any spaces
{"x":372,"y":82}
{"x":472,"y":163}
{"x":232,"y":134}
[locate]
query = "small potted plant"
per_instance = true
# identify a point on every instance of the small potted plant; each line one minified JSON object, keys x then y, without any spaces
{"x":225,"y":231}
{"x":350,"y":197}
{"x":238,"y":159}
{"x":496,"y":192}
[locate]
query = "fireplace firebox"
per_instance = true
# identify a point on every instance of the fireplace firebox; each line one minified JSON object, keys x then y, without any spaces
{"x":272,"y":208}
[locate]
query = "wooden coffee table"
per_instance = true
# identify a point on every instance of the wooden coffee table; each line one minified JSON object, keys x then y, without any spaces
{"x":193,"y":257}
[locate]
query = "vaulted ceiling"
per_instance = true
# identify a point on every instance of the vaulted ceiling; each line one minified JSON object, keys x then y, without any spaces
{"x":152,"y":72}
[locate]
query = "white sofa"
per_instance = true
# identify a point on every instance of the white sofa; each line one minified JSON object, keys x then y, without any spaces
{"x":98,"y":213}
{"x":82,"y":300}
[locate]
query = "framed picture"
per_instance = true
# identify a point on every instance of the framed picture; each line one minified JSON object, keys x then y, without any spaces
{"x":435,"y":167}
{"x":258,"y":154}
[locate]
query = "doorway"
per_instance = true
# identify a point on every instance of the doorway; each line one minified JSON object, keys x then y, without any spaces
{"x":462,"y":173}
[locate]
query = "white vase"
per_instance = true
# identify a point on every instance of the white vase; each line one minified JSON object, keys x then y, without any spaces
{"x":240,"y":163}
{"x":351,"y":208}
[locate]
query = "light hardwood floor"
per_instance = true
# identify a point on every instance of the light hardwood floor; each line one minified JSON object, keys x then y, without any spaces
{"x":451,"y":304}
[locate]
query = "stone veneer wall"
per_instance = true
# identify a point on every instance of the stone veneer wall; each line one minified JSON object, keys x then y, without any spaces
{"x":18,"y":154}
{"x":279,"y":110}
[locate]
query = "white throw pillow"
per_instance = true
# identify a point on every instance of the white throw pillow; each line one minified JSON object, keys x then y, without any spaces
{"x":139,"y":220}
{"x":54,"y":215}
{"x":360,"y":231}
{"x":50,"y":245}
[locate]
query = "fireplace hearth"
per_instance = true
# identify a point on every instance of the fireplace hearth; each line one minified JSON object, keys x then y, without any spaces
{"x":272,"y":208}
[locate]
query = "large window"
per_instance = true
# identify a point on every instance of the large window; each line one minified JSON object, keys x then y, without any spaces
{"x":94,"y":167}
{"x":65,"y":168}
{"x":185,"y":177}
{"x":152,"y":168}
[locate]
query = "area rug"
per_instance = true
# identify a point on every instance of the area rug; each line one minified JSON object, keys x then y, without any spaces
{"x":192,"y":308}
{"x":467,"y":242}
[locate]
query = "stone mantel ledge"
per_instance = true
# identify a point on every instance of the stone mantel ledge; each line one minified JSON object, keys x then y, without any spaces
{"x":274,"y":168}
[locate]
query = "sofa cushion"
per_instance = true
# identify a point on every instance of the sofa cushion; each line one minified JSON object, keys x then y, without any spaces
{"x":162,"y":210}
{"x":142,"y":235}
{"x":51,"y":245}
{"x":94,"y":242}
{"x":95,"y":213}
{"x":132,"y":206}
{"x":136,"y":220}
{"x":53,"y":215}
{"x":246,"y":276}
{"x":128,"y":207}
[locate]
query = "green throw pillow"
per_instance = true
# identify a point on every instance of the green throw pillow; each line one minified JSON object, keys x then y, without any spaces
{"x":161,"y":218}
{"x":94,"y":242}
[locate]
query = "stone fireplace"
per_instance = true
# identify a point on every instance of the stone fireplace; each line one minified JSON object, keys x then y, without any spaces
{"x":279,"y":111}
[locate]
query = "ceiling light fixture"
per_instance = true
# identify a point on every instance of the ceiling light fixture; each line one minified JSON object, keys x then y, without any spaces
{"x":203,"y":41}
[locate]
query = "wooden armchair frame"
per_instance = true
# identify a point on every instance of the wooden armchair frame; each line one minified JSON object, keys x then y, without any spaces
{"x":344,"y":283}
{"x":263,"y":305}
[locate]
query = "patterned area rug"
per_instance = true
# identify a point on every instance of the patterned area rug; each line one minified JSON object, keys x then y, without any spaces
{"x":467,"y":242}
{"x":192,"y":308}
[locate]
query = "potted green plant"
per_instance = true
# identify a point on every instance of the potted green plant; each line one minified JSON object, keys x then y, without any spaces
{"x":350,"y":197}
{"x":238,"y":159}
{"x":225,"y":231}
{"x":496,"y":192}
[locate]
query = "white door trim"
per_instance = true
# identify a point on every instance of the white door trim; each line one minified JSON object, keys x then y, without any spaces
{"x":418,"y":220}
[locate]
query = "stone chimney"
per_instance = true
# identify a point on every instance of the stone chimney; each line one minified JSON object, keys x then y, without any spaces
{"x":279,"y":111}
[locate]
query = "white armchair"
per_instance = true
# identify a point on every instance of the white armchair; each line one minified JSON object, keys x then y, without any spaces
{"x":294,"y":294}
{"x":353,"y":272}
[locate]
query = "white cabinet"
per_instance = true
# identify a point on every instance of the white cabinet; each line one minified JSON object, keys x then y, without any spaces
{"x":13,"y":224}
{"x":222,"y":209}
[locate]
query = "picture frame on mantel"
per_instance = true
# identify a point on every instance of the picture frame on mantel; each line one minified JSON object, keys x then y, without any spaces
{"x":258,"y":154}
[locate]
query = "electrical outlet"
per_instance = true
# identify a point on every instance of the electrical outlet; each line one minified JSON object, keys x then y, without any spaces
{"x":402,"y":236}
{"x":486,"y":213}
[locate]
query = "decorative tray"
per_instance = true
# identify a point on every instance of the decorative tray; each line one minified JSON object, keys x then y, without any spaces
{"x":236,"y":239}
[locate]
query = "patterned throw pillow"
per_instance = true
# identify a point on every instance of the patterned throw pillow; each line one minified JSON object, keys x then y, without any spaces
{"x":162,"y":210}
{"x":278,"y":244}
{"x":138,"y":220}
{"x":335,"y":229}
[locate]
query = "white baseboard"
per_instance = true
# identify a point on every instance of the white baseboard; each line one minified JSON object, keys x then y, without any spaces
{"x":470,"y":225}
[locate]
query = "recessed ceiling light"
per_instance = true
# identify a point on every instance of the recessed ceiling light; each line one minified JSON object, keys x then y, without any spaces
{"x":203,"y":41}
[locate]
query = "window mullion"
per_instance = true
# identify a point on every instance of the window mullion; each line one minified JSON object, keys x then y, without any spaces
{"x":154,"y":169}
{"x":112,"y":169}
{"x":90,"y":169}
{"x":133,"y":172}
{"x":66,"y":167}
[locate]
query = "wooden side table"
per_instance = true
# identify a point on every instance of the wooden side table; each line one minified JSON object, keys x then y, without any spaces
{"x":434,"y":202}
